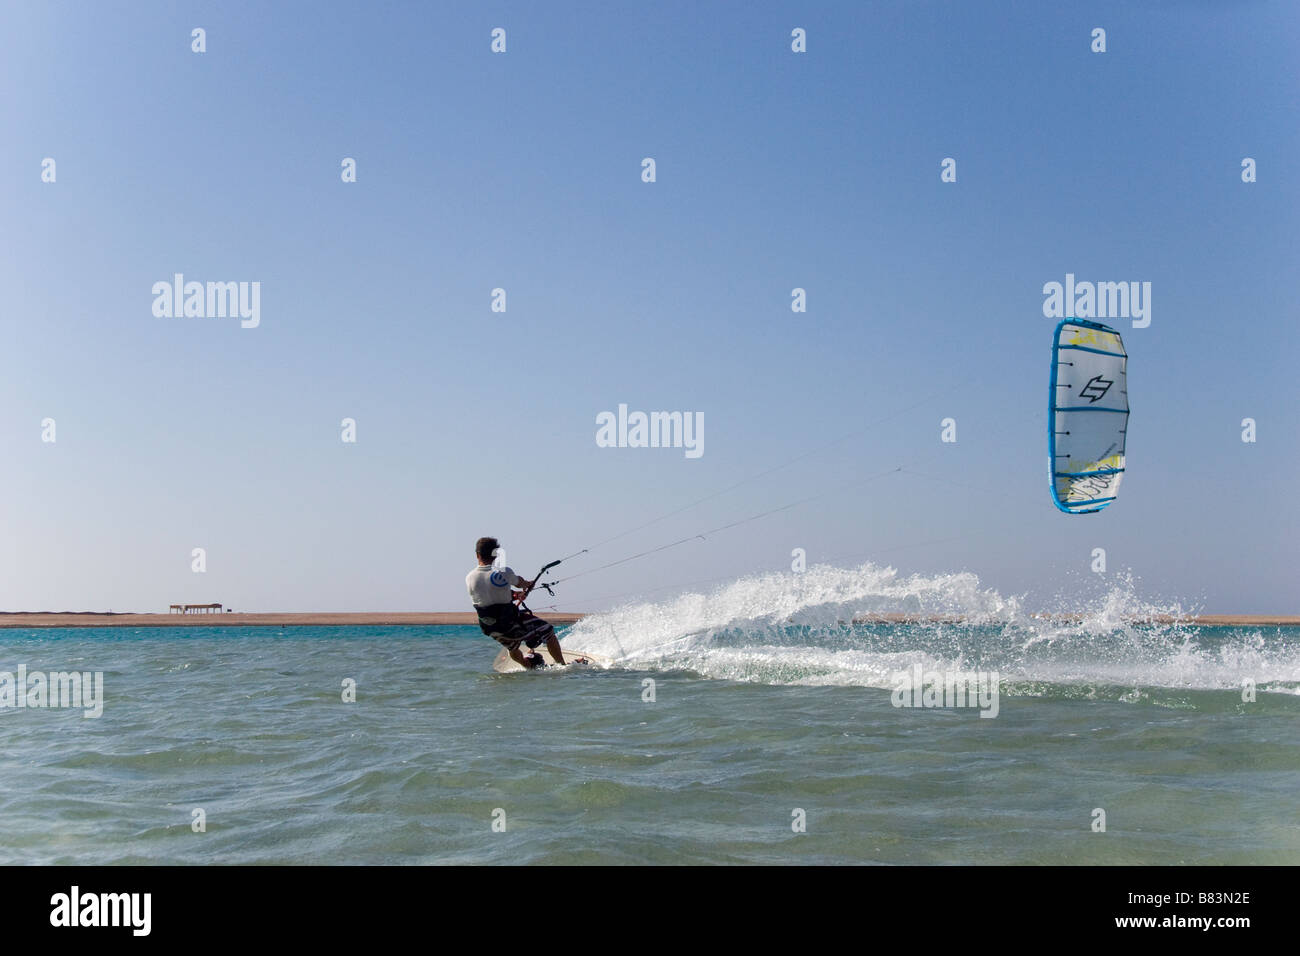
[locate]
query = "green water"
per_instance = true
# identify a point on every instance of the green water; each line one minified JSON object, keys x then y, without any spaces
{"x":249,"y":725}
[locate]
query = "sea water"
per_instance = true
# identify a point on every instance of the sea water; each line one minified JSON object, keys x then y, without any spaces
{"x":754,"y":724}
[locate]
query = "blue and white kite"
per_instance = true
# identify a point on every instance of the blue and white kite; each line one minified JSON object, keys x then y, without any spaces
{"x":1088,"y":415}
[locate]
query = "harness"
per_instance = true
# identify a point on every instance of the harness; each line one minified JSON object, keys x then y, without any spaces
{"x":497,"y":618}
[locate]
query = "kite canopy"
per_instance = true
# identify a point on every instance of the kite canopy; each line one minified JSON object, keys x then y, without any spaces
{"x":1088,"y":415}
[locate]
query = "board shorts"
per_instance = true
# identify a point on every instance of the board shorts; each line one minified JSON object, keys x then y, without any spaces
{"x":510,"y":627}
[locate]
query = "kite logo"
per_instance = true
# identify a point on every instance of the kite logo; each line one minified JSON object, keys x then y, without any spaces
{"x":1096,"y":388}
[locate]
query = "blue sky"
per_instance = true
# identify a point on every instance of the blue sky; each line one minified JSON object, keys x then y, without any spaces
{"x":521,"y":170}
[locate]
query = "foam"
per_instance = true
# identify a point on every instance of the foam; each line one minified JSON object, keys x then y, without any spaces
{"x":785,"y":628}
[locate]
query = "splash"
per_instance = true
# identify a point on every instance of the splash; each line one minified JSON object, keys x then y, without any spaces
{"x":833,"y":626}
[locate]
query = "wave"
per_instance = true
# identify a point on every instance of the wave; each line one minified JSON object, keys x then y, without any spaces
{"x":807,"y":628}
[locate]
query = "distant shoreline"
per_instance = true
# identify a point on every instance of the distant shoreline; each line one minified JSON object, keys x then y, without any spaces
{"x":40,"y":619}
{"x":307,"y":619}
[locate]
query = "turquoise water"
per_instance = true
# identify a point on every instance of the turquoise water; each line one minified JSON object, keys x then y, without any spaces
{"x":753,"y":718}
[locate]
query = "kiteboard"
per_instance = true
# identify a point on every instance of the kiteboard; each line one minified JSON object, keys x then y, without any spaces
{"x":505,"y":664}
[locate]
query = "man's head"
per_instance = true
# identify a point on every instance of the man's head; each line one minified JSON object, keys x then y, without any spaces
{"x":485,"y":549}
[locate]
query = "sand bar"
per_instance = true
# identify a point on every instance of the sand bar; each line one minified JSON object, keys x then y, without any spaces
{"x":376,"y":618}
{"x":30,"y":619}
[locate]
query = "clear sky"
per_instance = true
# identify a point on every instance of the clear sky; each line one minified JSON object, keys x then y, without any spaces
{"x":523,"y":170}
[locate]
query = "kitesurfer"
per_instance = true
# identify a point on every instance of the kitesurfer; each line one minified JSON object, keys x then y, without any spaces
{"x":494,"y":592}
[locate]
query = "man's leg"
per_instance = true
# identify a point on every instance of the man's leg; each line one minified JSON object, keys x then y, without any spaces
{"x":536,"y":630}
{"x":553,"y":645}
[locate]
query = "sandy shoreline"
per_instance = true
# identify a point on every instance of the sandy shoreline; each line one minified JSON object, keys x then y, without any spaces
{"x":373,"y":618}
{"x":24,"y":619}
